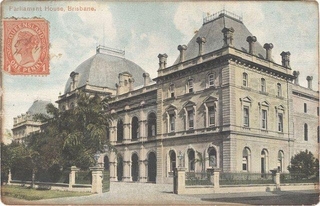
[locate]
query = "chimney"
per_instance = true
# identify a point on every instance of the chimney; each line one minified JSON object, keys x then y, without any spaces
{"x":146,"y":79}
{"x":309,"y":79}
{"x":228,"y":36}
{"x":162,"y":61}
{"x":268,"y":48}
{"x":285,"y":59}
{"x":296,"y":75}
{"x":201,"y":41}
{"x":182,"y":48}
{"x":251,"y":40}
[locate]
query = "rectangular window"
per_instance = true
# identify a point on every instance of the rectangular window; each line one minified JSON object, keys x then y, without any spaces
{"x":211,"y":115}
{"x":246,"y":116}
{"x":190,"y":119}
{"x":171,"y":90}
{"x":190,"y":85}
{"x":305,"y":107}
{"x":172,"y":122}
{"x":244,"y":164}
{"x":279,"y":93}
{"x":318,"y":111}
{"x":245,"y":79}
{"x":263,"y":85}
{"x":280,"y":122}
{"x":211,"y":80}
{"x":264,"y":119}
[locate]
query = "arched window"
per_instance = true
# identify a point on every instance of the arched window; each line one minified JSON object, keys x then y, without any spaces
{"x":191,"y":160}
{"x":264,"y":162}
{"x":305,"y":132}
{"x":212,"y":153}
{"x":211,"y":78}
{"x":172,"y":155}
{"x":135,"y":128}
{"x":263,"y":85}
{"x":244,"y":79}
{"x":280,"y":161}
{"x":279,"y":90}
{"x":119,"y":131}
{"x":152,"y":125}
{"x":246,"y":156}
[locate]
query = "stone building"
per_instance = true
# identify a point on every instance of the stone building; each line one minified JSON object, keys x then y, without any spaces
{"x":25,"y":124}
{"x":224,"y":100}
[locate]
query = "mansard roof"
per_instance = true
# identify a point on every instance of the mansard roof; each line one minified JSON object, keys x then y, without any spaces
{"x":212,"y":31}
{"x":38,"y":107}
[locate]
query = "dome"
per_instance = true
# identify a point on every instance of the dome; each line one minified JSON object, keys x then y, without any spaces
{"x":38,"y":107}
{"x":212,"y":31}
{"x":102,"y":70}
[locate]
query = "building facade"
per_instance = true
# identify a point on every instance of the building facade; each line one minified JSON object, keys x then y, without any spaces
{"x":224,"y":101}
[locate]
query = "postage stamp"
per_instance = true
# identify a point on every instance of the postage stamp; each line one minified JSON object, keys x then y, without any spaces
{"x":26,"y":46}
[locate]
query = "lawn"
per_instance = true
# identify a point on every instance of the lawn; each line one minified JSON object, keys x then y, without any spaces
{"x":34,"y":194}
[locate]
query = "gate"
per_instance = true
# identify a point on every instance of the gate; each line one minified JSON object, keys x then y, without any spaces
{"x":106,"y":181}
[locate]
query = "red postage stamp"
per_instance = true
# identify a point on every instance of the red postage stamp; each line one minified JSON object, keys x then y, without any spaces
{"x":26,"y":46}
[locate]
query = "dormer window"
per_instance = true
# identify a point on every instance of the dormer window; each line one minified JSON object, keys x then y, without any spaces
{"x":74,"y":80}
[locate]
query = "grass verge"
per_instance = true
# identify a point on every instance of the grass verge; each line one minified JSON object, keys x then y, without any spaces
{"x":33,"y":194}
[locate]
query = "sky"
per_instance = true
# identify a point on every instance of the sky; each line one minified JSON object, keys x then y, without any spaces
{"x":145,"y":29}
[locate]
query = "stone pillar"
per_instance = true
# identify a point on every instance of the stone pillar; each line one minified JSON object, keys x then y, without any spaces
{"x":268,"y":48}
{"x":72,"y":176}
{"x":180,"y":182}
{"x":146,"y":79}
{"x":201,"y":41}
{"x":285,"y":59}
{"x":216,"y":178}
{"x":97,"y":177}
{"x":143,"y":163}
{"x":309,"y":79}
{"x":113,"y":167}
{"x":251,"y":40}
{"x":162,"y":61}
{"x":296,"y":74}
{"x":277,"y":179}
{"x":228,"y":36}
{"x":9,"y":177}
{"x":182,"y":49}
{"x":126,"y":165}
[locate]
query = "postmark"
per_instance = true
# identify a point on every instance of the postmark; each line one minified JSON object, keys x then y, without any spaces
{"x":26,"y":46}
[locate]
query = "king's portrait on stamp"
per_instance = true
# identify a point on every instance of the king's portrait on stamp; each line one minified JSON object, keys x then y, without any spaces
{"x":26,"y":46}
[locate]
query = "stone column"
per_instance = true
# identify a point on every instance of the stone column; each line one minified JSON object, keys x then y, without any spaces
{"x":9,"y":177}
{"x":72,"y":176}
{"x":162,"y":61}
{"x":97,"y":177}
{"x":251,"y":40}
{"x":285,"y":59}
{"x":228,"y":36}
{"x":142,"y":170}
{"x":268,"y":48}
{"x":309,"y":79}
{"x":277,"y":179}
{"x":126,"y":165}
{"x":182,"y":49}
{"x":113,"y":167}
{"x":296,"y":75}
{"x":180,"y":182}
{"x":216,"y":178}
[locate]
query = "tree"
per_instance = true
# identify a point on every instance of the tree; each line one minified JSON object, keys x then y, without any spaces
{"x":304,"y":164}
{"x":201,"y":160}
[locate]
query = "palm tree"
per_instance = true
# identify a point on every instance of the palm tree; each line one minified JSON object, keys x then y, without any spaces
{"x":201,"y":160}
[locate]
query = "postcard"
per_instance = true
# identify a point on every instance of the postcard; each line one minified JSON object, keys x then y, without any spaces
{"x":192,"y":95}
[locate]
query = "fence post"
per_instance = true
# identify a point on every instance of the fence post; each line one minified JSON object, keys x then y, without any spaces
{"x":216,"y":178}
{"x":277,"y":179}
{"x":9,"y":177}
{"x":72,"y":176}
{"x":97,"y":177}
{"x":180,"y":183}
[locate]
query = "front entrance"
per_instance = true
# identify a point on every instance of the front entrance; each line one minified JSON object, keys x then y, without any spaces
{"x":135,"y":167}
{"x":152,"y":167}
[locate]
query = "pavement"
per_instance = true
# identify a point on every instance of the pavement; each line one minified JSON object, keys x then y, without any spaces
{"x":162,"y":194}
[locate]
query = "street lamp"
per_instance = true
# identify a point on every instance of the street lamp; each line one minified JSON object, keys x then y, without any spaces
{"x":96,"y":157}
{"x":180,"y":157}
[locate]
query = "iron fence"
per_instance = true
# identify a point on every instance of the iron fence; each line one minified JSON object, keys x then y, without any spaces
{"x":83,"y":177}
{"x":198,"y":178}
{"x":227,"y":178}
{"x":297,"y":178}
